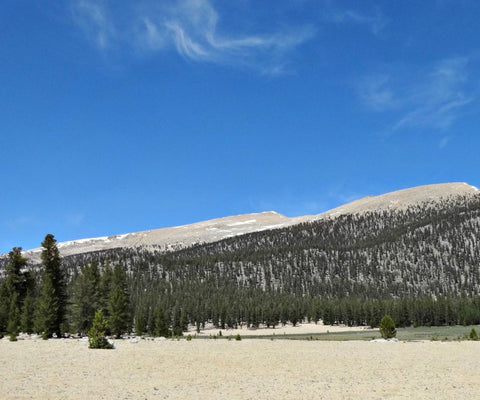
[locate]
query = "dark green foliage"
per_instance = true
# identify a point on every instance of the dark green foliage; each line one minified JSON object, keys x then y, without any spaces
{"x":4,"y":306}
{"x":118,"y":320}
{"x":13,"y":325}
{"x":85,"y":298}
{"x":53,"y":296}
{"x":161,"y":324}
{"x":118,"y":307}
{"x":345,"y":270}
{"x":140,"y":323}
{"x":16,"y":282}
{"x":473,"y":334}
{"x":238,"y":337}
{"x":96,"y":334}
{"x":28,"y":313}
{"x":387,"y":327}
{"x":418,"y":265}
{"x":13,"y":292}
{"x":47,"y":311}
{"x":105,"y":288}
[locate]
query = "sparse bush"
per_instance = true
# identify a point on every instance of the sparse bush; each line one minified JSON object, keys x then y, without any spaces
{"x":189,"y":337}
{"x":387,"y":327}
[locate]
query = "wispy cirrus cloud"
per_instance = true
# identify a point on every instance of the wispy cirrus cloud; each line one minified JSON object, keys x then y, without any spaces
{"x":375,"y":21}
{"x":191,"y":27}
{"x":434,"y":99}
{"x":92,"y":17}
{"x":376,"y":91}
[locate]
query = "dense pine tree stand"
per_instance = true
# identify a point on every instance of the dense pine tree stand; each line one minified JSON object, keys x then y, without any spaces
{"x":12,"y":293}
{"x":420,"y":265}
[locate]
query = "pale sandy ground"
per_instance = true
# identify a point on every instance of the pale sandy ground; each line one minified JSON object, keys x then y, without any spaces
{"x":247,"y":369}
{"x":303,"y":328}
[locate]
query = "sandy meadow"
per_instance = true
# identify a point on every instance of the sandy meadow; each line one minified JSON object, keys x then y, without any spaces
{"x":247,"y":369}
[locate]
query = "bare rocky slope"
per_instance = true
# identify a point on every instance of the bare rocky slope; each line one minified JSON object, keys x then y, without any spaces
{"x":175,"y":238}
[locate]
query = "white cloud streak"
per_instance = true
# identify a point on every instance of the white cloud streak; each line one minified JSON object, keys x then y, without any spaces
{"x":433,"y":100}
{"x":377,"y":93}
{"x":375,"y":22}
{"x":191,"y":27}
{"x":92,"y":18}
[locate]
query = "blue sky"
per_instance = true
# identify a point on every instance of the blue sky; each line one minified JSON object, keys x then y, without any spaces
{"x":120,"y":116}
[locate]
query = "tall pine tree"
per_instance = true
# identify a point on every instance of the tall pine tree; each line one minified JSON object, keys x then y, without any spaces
{"x":85,"y":298}
{"x":53,"y":298}
{"x":14,"y":290}
{"x":118,"y":304}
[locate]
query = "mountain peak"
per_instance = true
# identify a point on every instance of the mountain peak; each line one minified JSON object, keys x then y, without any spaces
{"x":404,"y":198}
{"x":178,"y":237}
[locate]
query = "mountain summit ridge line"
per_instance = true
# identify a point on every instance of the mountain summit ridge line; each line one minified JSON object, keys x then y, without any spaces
{"x":172,"y":238}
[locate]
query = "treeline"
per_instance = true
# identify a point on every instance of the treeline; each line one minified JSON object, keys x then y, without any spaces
{"x":420,"y":265}
{"x":48,"y":301}
{"x":418,"y":252}
{"x":28,"y":305}
{"x":161,"y":308}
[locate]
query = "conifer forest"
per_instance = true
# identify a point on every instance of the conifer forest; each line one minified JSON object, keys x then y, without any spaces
{"x":420,"y":265}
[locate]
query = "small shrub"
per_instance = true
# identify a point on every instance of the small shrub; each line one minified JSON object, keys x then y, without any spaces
{"x":238,"y":337}
{"x":189,"y":337}
{"x":387,"y":327}
{"x":13,"y":337}
{"x":473,"y":334}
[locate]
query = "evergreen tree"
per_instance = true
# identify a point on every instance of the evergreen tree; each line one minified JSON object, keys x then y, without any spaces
{"x":118,"y":303}
{"x":13,"y":317}
{"x":161,"y":324}
{"x":28,"y":313}
{"x":118,"y":312}
{"x":473,"y":334}
{"x":13,"y":291}
{"x":15,"y":278}
{"x":96,"y":334}
{"x":387,"y":327}
{"x":85,"y":298}
{"x":140,"y":320}
{"x":53,"y":293}
{"x":46,"y":319}
{"x":179,"y":320}
{"x":4,"y":306}
{"x":105,"y":289}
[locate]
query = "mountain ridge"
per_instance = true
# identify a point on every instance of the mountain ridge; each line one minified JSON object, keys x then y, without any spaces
{"x":177,"y":237}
